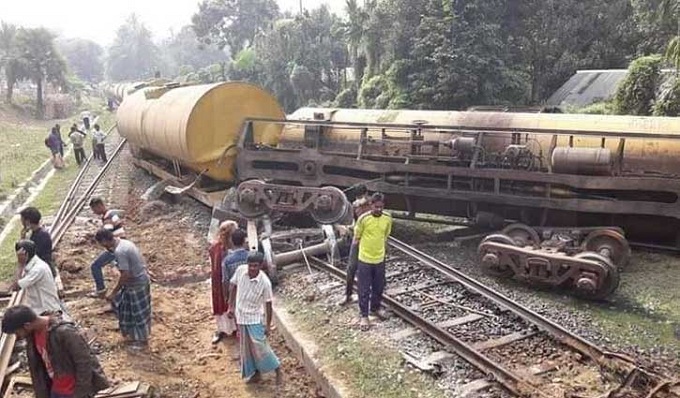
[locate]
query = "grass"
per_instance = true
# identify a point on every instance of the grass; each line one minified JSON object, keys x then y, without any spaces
{"x":48,"y":200}
{"x":369,"y":367}
{"x":22,"y":145}
{"x":23,"y":152}
{"x":646,"y":309}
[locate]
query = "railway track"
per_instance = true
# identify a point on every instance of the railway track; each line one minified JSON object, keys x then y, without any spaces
{"x":77,"y":196}
{"x":509,"y":344}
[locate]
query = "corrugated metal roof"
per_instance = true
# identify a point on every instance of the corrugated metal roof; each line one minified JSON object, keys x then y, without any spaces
{"x":588,"y":86}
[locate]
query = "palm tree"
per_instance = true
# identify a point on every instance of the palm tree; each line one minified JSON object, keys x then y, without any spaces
{"x":41,"y":61}
{"x":9,"y":59}
{"x":354,"y":29}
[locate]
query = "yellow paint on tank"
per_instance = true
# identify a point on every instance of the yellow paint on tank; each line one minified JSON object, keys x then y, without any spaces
{"x":196,"y":124}
{"x":640,"y":154}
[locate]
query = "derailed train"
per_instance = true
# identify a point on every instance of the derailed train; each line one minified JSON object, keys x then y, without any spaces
{"x":563,"y":188}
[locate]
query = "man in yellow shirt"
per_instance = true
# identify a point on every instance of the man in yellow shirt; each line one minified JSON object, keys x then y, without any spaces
{"x":370,"y":233}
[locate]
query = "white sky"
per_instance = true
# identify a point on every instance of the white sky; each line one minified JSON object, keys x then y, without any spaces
{"x":98,"y":19}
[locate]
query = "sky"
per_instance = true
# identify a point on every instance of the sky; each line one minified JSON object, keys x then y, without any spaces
{"x":98,"y":20}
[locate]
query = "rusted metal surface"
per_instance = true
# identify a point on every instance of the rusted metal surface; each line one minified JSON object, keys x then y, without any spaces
{"x":588,"y":274}
{"x":327,"y":205}
{"x":513,"y":182}
{"x":586,"y":261}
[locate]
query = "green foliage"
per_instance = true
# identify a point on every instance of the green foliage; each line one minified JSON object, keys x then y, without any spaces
{"x":668,"y":100}
{"x":40,"y":61}
{"x":429,"y":54}
{"x":233,"y":23}
{"x":635,"y":95}
{"x":597,"y":108}
{"x":9,"y":58}
{"x":347,"y":97}
{"x":183,"y":49}
{"x":84,"y":58}
{"x":133,"y":55}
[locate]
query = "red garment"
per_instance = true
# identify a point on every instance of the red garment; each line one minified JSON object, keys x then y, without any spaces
{"x":61,"y":384}
{"x":219,"y":302}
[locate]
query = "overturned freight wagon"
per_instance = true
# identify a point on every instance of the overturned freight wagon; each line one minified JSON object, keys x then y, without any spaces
{"x":571,"y":185}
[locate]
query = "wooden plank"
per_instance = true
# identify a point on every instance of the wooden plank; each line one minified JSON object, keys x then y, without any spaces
{"x":408,"y":332}
{"x":472,"y":388}
{"x":120,"y":390}
{"x":502,"y":341}
{"x":7,"y":340}
{"x":10,"y":388}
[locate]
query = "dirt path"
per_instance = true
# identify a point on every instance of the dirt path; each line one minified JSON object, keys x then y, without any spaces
{"x":180,"y":362}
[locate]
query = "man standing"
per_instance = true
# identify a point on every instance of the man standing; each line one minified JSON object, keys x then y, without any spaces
{"x":371,"y":233}
{"x":59,"y":359}
{"x":237,"y":257}
{"x":131,"y":297}
{"x":98,"y":138}
{"x":250,"y":292}
{"x":360,"y":206}
{"x":53,"y":141}
{"x":35,"y":277}
{"x":113,"y":221}
{"x":218,"y":251}
{"x":77,"y":137}
{"x":30,"y":219}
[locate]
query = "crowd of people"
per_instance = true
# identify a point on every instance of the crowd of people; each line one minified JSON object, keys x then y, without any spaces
{"x":56,"y":144}
{"x":60,"y":360}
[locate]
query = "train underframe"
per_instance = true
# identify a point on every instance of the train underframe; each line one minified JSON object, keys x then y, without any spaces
{"x":547,"y":228}
{"x":563,"y":230}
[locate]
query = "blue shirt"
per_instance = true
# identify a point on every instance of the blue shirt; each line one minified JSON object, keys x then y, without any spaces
{"x":232,"y":262}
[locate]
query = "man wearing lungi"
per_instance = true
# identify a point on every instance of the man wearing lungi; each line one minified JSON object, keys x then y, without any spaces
{"x":251,"y":291}
{"x":131,"y":297}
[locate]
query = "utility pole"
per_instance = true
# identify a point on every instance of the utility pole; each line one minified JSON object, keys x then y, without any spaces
{"x":300,"y":6}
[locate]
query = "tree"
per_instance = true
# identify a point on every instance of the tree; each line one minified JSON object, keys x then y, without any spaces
{"x":183,"y":49}
{"x":84,"y":58}
{"x":233,"y":23}
{"x":133,"y":54}
{"x":9,"y":58}
{"x":41,"y":61}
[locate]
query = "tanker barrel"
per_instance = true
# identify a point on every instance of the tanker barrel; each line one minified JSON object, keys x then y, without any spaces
{"x":582,"y":161}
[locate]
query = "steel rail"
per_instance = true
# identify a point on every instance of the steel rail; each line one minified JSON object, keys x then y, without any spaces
{"x":71,"y":192}
{"x":60,"y":230}
{"x":513,"y":382}
{"x":602,"y":357}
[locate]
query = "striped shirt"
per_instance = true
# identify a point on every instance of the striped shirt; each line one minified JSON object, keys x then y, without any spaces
{"x":251,"y":295}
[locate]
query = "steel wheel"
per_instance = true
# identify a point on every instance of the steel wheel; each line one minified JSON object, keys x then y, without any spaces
{"x":611,"y":280}
{"x":491,"y":261}
{"x":522,"y":235}
{"x":330,"y":208}
{"x":246,"y":204}
{"x":610,"y":244}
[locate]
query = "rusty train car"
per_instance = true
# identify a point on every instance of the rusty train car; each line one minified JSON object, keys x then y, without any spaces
{"x":563,"y":189}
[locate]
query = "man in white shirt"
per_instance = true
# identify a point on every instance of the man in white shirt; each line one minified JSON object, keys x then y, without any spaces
{"x":35,"y":277}
{"x":250,"y":293}
{"x":98,"y":138}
